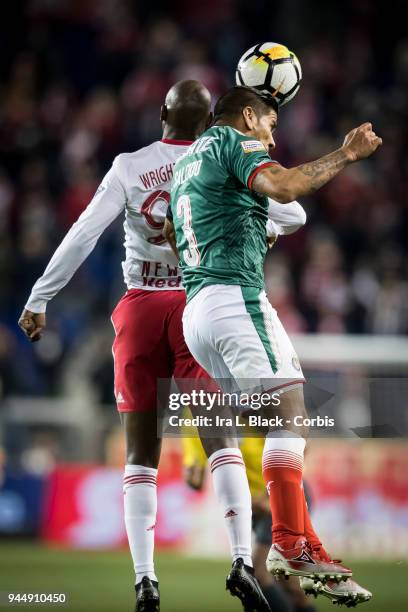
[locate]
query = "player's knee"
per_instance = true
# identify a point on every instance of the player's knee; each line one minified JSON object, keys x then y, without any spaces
{"x":212,"y":445}
{"x":292,"y":409}
{"x":142,"y":450}
{"x":146,"y":458}
{"x":142,"y":444}
{"x":296,"y":422}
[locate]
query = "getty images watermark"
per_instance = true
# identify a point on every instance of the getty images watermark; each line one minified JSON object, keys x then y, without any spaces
{"x":336,"y":406}
{"x":215,"y":412}
{"x":216,"y":399}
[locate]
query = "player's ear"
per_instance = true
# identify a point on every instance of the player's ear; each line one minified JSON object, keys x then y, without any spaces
{"x":248,"y":115}
{"x":163,"y":113}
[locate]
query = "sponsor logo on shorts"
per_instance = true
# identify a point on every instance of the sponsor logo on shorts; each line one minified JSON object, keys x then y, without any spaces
{"x":230,"y":514}
{"x":251,"y":146}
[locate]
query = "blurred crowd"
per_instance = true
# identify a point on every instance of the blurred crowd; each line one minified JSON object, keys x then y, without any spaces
{"x":82,"y":81}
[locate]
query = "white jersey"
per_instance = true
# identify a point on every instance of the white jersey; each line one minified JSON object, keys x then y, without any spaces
{"x":284,"y":219}
{"x":138,"y":184}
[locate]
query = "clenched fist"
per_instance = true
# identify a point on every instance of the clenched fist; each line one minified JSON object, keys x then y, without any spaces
{"x":32,"y":324}
{"x":361,"y":142}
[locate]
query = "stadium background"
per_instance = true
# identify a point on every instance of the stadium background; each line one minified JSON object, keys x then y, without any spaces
{"x":81,"y":82}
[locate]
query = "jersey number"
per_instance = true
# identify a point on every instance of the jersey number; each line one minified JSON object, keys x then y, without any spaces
{"x":192,"y":254}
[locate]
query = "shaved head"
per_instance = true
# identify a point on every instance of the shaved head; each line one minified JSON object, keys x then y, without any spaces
{"x":186,"y":112}
{"x":186,"y":93}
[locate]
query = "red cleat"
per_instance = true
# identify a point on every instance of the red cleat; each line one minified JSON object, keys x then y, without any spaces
{"x":302,"y":560}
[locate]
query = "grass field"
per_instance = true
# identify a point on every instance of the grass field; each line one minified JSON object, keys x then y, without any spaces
{"x":102,"y":581}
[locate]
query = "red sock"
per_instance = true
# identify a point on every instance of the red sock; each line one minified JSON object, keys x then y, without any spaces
{"x":282,"y":470}
{"x":310,"y":533}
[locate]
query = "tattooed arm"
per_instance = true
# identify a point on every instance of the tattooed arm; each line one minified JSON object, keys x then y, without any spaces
{"x":286,"y":185}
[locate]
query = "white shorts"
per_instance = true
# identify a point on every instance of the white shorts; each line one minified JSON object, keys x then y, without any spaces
{"x":234,"y":333}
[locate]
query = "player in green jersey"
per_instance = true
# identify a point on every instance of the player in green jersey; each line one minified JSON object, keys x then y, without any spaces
{"x":219,"y":205}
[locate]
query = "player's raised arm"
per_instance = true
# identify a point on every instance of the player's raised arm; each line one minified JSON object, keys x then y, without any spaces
{"x":254,"y":117}
{"x":106,"y":205}
{"x":285,"y":185}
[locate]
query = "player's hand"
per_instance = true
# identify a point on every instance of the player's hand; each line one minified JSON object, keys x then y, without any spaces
{"x":194,"y":476}
{"x":32,"y":324}
{"x":361,"y":142}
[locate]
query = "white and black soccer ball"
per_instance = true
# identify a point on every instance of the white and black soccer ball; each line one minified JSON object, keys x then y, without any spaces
{"x":271,"y":68}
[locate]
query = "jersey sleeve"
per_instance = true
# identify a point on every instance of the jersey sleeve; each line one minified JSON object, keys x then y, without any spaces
{"x":108,"y":202}
{"x":244,"y":157}
{"x":284,"y":219}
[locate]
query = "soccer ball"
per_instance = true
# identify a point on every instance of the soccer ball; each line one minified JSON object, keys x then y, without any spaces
{"x":271,"y":68}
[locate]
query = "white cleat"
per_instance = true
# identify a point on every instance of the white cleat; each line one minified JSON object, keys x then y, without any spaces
{"x":348,"y":593}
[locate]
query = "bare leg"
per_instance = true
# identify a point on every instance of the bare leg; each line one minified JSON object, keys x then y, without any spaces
{"x":143,"y":447}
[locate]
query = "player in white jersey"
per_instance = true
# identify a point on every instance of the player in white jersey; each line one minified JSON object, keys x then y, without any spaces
{"x":149,"y":343}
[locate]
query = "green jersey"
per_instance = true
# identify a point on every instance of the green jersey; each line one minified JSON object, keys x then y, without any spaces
{"x":220,"y":223}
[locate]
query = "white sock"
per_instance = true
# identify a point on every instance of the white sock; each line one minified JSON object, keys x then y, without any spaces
{"x":283,"y":448}
{"x":140,"y":501}
{"x":232,"y":491}
{"x":285,"y":441}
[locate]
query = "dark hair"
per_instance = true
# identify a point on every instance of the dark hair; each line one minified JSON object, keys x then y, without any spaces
{"x":237,"y":98}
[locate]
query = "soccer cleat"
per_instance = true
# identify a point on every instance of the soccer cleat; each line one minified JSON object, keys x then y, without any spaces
{"x":302,"y":560}
{"x":242,"y":583}
{"x":348,"y":593}
{"x":147,"y":596}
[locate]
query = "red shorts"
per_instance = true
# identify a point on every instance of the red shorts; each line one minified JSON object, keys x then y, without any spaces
{"x":149,"y":345}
